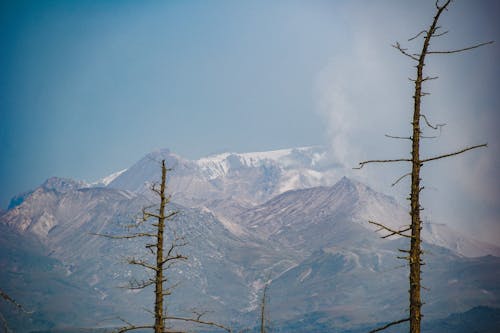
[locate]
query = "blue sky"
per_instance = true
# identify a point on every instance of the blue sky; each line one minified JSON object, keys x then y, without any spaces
{"x":89,"y":87}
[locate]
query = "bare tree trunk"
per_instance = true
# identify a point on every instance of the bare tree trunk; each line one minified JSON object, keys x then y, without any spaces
{"x":263,"y":318}
{"x":159,"y":315}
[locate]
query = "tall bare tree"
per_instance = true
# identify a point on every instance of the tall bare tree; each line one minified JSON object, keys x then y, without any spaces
{"x":419,"y":119}
{"x":166,"y":253}
{"x":263,"y":313}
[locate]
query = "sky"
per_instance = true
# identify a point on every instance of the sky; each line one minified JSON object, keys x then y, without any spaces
{"x":89,"y":87}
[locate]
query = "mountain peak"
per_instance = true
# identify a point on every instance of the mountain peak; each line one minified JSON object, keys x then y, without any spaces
{"x":62,"y":185}
{"x":351,"y":185}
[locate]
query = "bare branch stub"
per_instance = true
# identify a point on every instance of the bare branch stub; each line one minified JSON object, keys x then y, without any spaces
{"x":397,"y":137}
{"x":440,"y":34}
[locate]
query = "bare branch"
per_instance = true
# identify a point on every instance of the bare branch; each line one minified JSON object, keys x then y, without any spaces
{"x":417,"y":35}
{"x":6,"y":327}
{"x":389,"y":325}
{"x":136,"y":285}
{"x":199,"y":321}
{"x":143,"y":263}
{"x":154,"y":188}
{"x":453,"y":154}
{"x":401,"y":178}
{"x":429,"y":78}
{"x":146,"y":215}
{"x":392,"y":231}
{"x":362,"y":164}
{"x":12,"y":301}
{"x":140,"y":234}
{"x":440,"y":34}
{"x":403,"y":51}
{"x":171,"y":214}
{"x":461,"y":50}
{"x":427,"y":122}
{"x":397,"y":137}
{"x":441,"y":8}
{"x":131,"y":328}
{"x":176,"y":257}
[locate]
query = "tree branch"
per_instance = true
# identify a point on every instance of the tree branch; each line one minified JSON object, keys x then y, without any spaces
{"x":199,"y":321}
{"x":133,"y":261}
{"x":146,"y":215}
{"x":461,"y":50}
{"x":136,"y":285}
{"x":427,"y":122}
{"x":392,"y":231}
{"x":6,"y":327}
{"x":11,"y":300}
{"x":389,"y":325}
{"x":137,"y":235}
{"x":397,"y":137}
{"x":398,"y":47}
{"x":453,"y":154}
{"x":440,"y":34}
{"x":417,"y":35}
{"x":362,"y":164}
{"x":131,"y":328}
{"x":401,"y":178}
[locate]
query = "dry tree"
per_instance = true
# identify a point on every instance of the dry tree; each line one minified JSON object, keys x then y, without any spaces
{"x":166,"y":253}
{"x":413,"y":231}
{"x":264,"y":318}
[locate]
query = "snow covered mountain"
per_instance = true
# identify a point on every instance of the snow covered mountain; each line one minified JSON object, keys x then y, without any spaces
{"x":285,"y":215}
{"x":230,"y":183}
{"x":246,"y":179}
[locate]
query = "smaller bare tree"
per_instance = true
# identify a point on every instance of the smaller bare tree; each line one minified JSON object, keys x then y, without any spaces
{"x":166,"y":254}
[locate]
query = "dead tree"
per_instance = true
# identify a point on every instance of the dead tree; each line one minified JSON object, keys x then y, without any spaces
{"x":263,"y":317}
{"x":413,"y":231}
{"x":166,"y":254}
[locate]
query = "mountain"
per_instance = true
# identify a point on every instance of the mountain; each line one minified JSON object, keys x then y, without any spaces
{"x":63,"y":215}
{"x":41,"y":284}
{"x":230,"y":183}
{"x":244,"y":179}
{"x":282,"y":217}
{"x":326,"y":227}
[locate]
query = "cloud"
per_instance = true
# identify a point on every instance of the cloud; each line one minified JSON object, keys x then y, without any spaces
{"x":363,"y":93}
